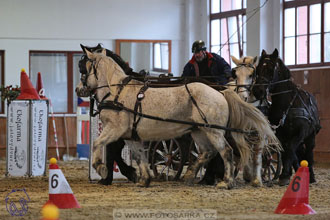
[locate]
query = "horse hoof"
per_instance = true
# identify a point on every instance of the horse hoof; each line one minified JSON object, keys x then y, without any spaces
{"x":105,"y":182}
{"x":144,"y":183}
{"x":133,"y":177}
{"x":224,"y":185}
{"x":189,"y":181}
{"x":102,"y":170}
{"x":284,"y":182}
{"x":269,"y":183}
{"x":256,"y":183}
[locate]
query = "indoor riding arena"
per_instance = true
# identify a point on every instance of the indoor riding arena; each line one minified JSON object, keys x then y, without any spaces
{"x":176,"y":109}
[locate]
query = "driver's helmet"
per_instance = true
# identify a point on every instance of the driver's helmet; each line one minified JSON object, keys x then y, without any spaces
{"x":197,"y":46}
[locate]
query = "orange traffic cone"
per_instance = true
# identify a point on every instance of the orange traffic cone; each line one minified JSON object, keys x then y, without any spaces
{"x":27,"y":89}
{"x":40,"y":87}
{"x":295,"y":199}
{"x":60,"y":193}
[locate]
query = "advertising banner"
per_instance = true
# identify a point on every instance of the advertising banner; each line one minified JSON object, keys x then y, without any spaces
{"x":39,"y":127}
{"x":27,"y":129}
{"x":18,"y":138}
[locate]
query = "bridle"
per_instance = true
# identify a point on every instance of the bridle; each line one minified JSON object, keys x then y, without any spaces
{"x":85,"y":74}
{"x":274,"y":80}
{"x":247,"y":87}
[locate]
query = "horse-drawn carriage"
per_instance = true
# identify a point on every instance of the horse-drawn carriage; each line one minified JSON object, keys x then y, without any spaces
{"x":170,"y":158}
{"x":170,"y":112}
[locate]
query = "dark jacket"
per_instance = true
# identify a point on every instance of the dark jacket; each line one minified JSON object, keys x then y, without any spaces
{"x":214,"y":69}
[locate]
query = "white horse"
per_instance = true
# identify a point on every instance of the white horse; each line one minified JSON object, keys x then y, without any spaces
{"x":244,"y":77}
{"x":177,"y":103}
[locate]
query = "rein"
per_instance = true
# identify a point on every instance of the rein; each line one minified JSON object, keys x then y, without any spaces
{"x":117,"y":106}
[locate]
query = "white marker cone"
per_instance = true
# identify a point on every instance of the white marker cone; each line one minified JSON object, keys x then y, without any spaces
{"x":60,"y":193}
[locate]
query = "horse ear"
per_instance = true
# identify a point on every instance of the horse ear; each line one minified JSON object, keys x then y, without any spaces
{"x":263,"y":53}
{"x":275,"y":54}
{"x":235,"y":60}
{"x":83,"y":48}
{"x":90,"y":55}
{"x":99,"y":46}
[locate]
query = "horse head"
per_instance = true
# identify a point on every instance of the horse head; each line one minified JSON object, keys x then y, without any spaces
{"x":266,"y":74}
{"x":89,"y":75}
{"x":244,"y":74}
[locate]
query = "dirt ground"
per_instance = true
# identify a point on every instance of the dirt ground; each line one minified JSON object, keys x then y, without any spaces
{"x":98,"y":202}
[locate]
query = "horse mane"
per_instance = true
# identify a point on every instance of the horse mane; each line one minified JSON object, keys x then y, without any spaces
{"x":124,"y":65}
{"x":284,"y":70}
{"x":247,"y":59}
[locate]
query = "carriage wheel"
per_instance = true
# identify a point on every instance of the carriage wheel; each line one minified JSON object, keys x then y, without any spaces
{"x":271,"y":167}
{"x":194,"y":154}
{"x":167,"y":160}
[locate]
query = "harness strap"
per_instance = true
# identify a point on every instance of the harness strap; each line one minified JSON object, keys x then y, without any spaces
{"x":121,"y":86}
{"x":119,"y":106}
{"x":138,"y":109}
{"x":287,"y":111}
{"x":195,"y":103}
{"x":312,"y":118}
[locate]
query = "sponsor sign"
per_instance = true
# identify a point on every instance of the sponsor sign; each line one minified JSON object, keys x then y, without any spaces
{"x":27,"y":126}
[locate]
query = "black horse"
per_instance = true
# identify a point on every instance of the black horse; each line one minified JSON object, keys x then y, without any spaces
{"x":113,"y":150}
{"x":293,"y":110}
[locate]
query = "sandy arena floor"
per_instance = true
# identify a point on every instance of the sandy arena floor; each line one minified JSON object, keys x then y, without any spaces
{"x":98,"y":202}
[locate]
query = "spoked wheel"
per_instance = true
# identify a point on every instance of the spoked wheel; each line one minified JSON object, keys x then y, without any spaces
{"x":194,"y":153}
{"x":167,"y":160}
{"x":271,"y":167}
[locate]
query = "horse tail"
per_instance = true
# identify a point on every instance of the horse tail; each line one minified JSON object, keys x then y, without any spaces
{"x":246,"y":117}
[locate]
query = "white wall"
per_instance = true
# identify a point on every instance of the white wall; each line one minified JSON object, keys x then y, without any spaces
{"x":197,"y":24}
{"x":64,"y":24}
{"x":270,"y":26}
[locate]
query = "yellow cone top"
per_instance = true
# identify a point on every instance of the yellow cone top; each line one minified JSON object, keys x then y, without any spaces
{"x":304,"y":163}
{"x":50,"y":211}
{"x":53,"y":160}
{"x":22,"y":70}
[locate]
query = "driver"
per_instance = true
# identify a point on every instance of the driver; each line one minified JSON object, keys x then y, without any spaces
{"x":209,"y":65}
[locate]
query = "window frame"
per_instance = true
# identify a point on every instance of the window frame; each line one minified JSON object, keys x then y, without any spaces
{"x":2,"y":75}
{"x":226,"y":14}
{"x":70,"y":79}
{"x":299,"y":3}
